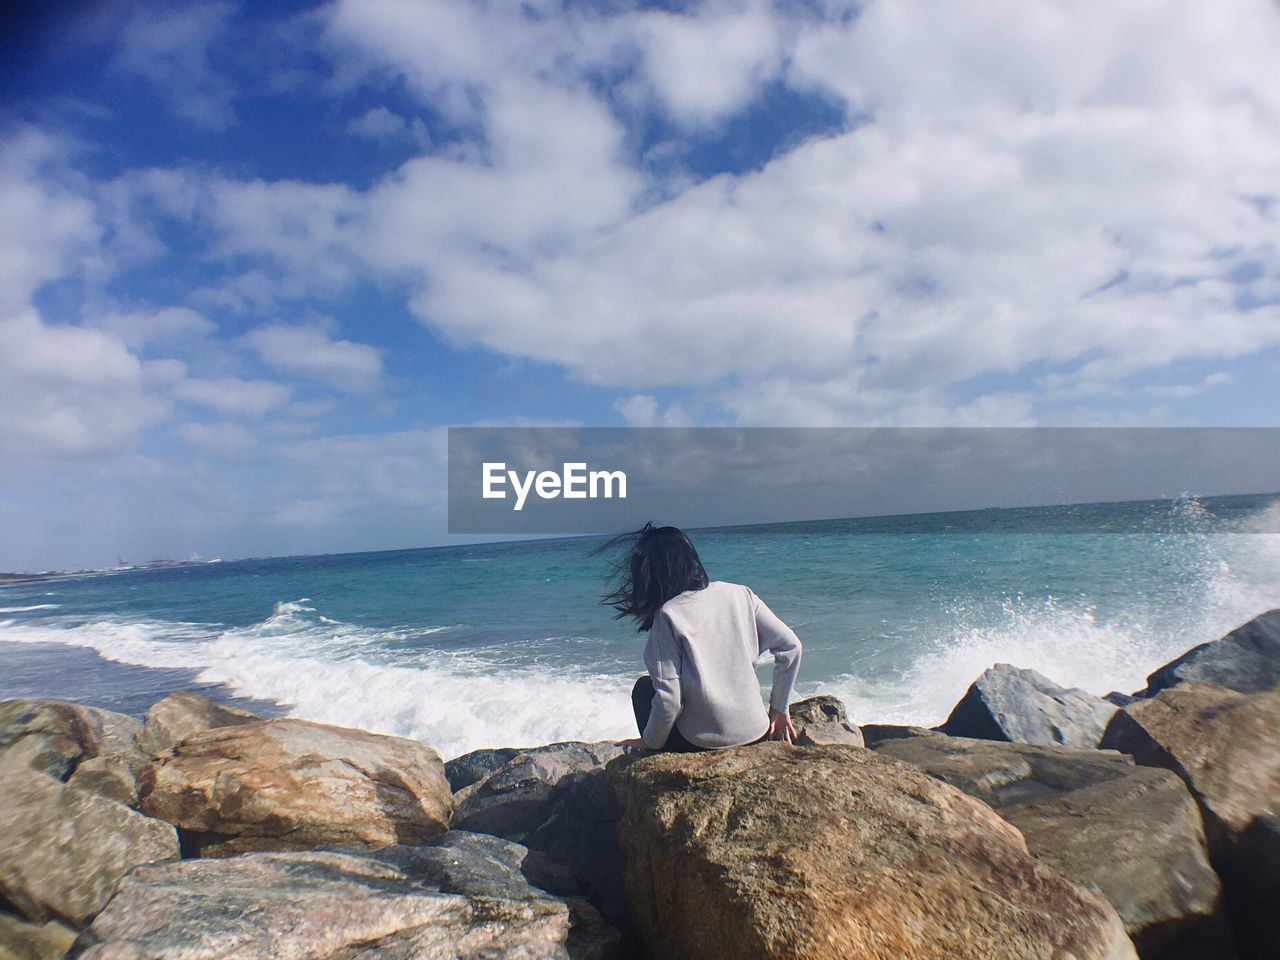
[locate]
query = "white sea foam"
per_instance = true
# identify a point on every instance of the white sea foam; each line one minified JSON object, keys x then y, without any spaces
{"x":454,"y":702}
{"x":34,"y":606}
{"x":1071,"y":643}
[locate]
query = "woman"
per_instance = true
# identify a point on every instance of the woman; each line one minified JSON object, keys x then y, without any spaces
{"x":704,"y":637}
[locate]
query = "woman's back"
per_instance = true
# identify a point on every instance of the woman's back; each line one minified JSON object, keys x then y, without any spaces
{"x":702,"y":648}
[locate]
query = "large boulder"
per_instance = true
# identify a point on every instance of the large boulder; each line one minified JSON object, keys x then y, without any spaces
{"x":184,"y":713}
{"x":1246,"y":660}
{"x":822,"y":719}
{"x":21,"y":940}
{"x":294,"y":785}
{"x":63,"y":850}
{"x":553,"y":800}
{"x":837,"y":852}
{"x":1132,"y":833}
{"x":56,"y":737}
{"x":464,"y":898}
{"x":1139,"y":841}
{"x":1023,"y":706}
{"x":1254,"y":874}
{"x":1224,"y":744}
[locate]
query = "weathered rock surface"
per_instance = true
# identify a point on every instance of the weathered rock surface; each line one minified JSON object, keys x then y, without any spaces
{"x":293,"y":785}
{"x":471,"y":767}
{"x":1255,"y":888}
{"x":20,"y":940}
{"x":1139,"y":841}
{"x":464,"y":898}
{"x":1133,"y":834}
{"x":115,"y":778}
{"x":1023,"y":706}
{"x":1246,"y":660}
{"x":823,"y":720}
{"x":553,"y":800}
{"x":512,"y":799}
{"x":1224,"y":744}
{"x":874,"y":733}
{"x":834,"y":851}
{"x":184,"y":713}
{"x":63,"y":850}
{"x":56,"y":737}
{"x":1000,"y":773}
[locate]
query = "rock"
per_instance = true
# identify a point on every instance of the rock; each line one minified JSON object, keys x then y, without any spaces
{"x":184,"y":713}
{"x":294,"y":785}
{"x":481,"y":865}
{"x":1133,"y":834}
{"x":875,"y":733}
{"x":20,"y":940}
{"x":471,"y":767}
{"x":464,"y":898}
{"x":63,"y":850}
{"x":55,"y":737}
{"x":111,"y":777}
{"x":822,"y":720}
{"x":1139,"y":841}
{"x":1000,"y":773}
{"x":511,"y":801}
{"x":837,"y":852}
{"x":50,"y":736}
{"x":1224,"y":744}
{"x":1246,"y":660}
{"x":1119,"y":699}
{"x":1255,"y":882}
{"x":553,"y":800}
{"x":1023,"y":706}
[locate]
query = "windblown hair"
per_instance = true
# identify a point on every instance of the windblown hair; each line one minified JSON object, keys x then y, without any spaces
{"x":660,"y":563}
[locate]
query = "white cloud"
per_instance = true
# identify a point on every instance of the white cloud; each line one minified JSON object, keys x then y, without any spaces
{"x":642,"y":410}
{"x":1180,"y":391}
{"x":48,"y":221}
{"x":69,"y":391}
{"x":233,"y":396}
{"x":170,"y":49}
{"x":379,"y":123}
{"x":310,"y":352}
{"x":226,"y":440}
{"x":171,"y":325}
{"x":710,"y":63}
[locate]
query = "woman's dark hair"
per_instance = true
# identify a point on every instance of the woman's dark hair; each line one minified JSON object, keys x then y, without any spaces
{"x":660,"y":564}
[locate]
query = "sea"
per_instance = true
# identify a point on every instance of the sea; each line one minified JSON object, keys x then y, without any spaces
{"x":507,"y":644}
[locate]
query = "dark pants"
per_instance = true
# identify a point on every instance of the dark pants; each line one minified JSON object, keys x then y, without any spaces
{"x":642,"y":704}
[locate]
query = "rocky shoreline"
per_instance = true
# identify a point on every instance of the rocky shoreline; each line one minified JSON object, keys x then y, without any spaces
{"x":1036,"y":822}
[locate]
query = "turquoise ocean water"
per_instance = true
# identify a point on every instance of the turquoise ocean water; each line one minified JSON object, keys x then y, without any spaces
{"x":505,"y":644}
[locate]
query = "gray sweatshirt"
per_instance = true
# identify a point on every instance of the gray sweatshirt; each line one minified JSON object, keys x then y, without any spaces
{"x":701,"y":655}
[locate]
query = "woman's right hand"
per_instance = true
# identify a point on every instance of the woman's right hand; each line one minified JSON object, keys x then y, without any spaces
{"x":780,"y":726}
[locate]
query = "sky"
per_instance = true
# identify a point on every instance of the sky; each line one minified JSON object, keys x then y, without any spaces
{"x":256,"y":257}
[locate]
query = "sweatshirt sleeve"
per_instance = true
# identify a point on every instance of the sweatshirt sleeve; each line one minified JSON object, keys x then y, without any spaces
{"x":780,"y":640}
{"x":662,"y":658}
